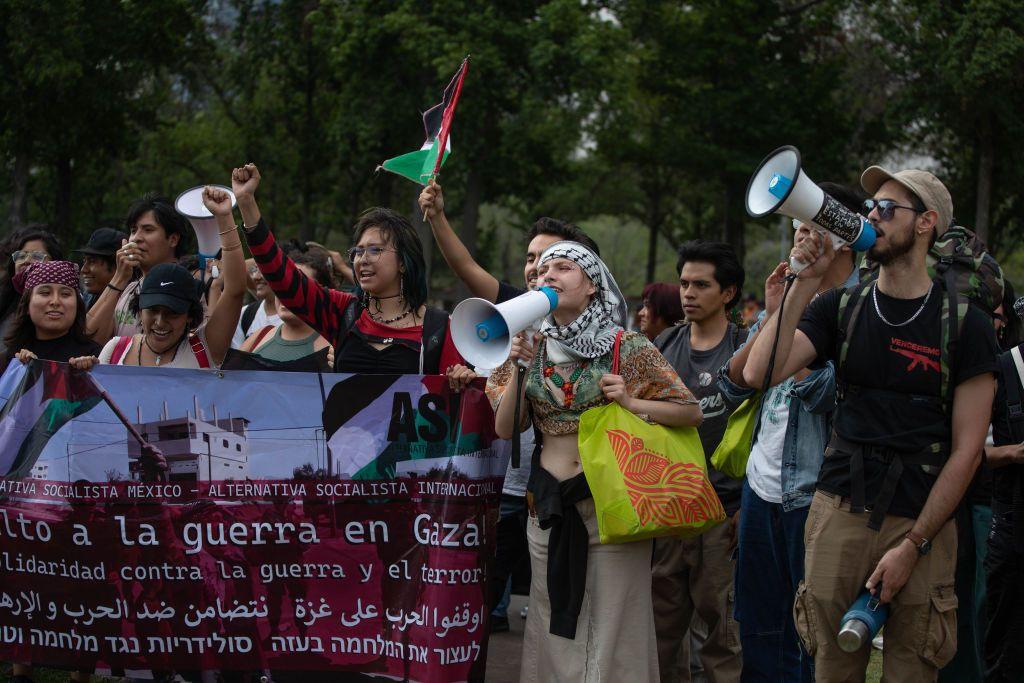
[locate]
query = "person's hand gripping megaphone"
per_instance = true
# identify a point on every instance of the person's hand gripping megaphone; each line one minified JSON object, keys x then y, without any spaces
{"x":815,"y":251}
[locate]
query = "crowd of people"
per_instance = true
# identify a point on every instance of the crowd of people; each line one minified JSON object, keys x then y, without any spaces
{"x":883,"y":458}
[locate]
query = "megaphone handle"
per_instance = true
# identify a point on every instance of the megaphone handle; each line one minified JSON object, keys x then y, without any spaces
{"x":520,"y":378}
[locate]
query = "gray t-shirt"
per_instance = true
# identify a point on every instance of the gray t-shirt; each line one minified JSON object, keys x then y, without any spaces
{"x":699,"y":372}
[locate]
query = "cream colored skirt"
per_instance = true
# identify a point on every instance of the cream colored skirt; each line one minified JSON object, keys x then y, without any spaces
{"x":615,"y":638}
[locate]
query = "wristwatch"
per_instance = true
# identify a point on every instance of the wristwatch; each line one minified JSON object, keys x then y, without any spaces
{"x":922,"y":544}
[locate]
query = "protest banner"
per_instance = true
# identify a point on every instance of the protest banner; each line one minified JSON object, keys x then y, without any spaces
{"x":306,"y":522}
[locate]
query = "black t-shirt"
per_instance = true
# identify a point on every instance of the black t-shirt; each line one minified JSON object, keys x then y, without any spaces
{"x":61,"y":350}
{"x":901,"y":369}
{"x":1008,"y":480}
{"x":507,"y":291}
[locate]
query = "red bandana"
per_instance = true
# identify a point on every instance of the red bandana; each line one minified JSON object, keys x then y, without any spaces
{"x":48,"y":272}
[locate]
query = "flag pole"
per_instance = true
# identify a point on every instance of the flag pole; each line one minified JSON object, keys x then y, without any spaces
{"x":147,"y":451}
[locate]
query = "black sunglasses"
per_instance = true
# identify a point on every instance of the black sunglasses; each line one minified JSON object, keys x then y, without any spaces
{"x":886,"y":208}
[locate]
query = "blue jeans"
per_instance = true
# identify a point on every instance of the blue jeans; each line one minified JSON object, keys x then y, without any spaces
{"x":770,"y":566}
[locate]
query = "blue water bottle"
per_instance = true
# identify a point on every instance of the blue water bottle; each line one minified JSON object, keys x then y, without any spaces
{"x":862,"y":621}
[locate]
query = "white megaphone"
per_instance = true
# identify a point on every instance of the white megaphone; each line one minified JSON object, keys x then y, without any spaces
{"x":780,"y":186}
{"x":482,"y":331}
{"x":190,"y":205}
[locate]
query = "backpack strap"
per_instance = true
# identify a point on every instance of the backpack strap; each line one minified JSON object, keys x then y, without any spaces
{"x":435,"y":330}
{"x":199,"y":351}
{"x":848,"y":315}
{"x":263,"y":331}
{"x":954,"y":311}
{"x":120,"y":347}
{"x":248,"y":315}
{"x":1011,"y":376}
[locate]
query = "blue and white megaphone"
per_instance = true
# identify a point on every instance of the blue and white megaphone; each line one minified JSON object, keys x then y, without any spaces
{"x":190,"y":205}
{"x":780,"y":186}
{"x":482,"y":332}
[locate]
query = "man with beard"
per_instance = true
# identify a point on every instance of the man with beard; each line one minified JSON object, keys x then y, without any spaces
{"x":910,"y":423}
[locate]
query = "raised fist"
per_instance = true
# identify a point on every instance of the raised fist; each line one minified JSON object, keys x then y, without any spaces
{"x":245,"y":180}
{"x":218,"y":201}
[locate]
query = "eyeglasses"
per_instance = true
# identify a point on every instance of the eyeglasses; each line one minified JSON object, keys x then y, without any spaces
{"x":886,"y":208}
{"x":369,"y":254}
{"x":20,"y":256}
{"x":254,"y":271}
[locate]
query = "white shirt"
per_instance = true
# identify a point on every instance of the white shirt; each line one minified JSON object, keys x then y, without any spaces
{"x":259,"y":321}
{"x":764,"y":467}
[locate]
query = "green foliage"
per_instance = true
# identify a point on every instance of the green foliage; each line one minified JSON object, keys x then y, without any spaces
{"x":646,"y":116}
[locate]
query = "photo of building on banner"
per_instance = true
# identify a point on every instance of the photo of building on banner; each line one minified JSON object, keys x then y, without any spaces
{"x":296,"y":522}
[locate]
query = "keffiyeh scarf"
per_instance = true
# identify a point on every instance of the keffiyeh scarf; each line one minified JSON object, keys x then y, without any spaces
{"x":592,"y":334}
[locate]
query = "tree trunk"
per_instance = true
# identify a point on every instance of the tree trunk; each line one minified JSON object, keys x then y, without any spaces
{"x":654,"y":226}
{"x":17,"y":215}
{"x":62,"y":215}
{"x":986,"y":162}
{"x":734,"y":222}
{"x":471,"y":212}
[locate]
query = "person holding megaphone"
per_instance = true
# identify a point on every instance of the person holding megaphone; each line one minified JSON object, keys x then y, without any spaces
{"x":908,"y":430}
{"x":590,"y":604}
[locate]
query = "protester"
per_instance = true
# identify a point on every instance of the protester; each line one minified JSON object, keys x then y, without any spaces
{"x":512,"y":546}
{"x":158,"y":234}
{"x":1003,"y":621}
{"x":974,"y":523}
{"x":49,"y":321}
{"x":661,"y":309}
{"x":696,"y":575}
{"x":385,"y":328}
{"x":261,"y":312}
{"x":605,"y":625}
{"x":752,"y":308}
{"x":901,"y":454}
{"x":293,"y":339}
{"x":169,"y":307}
{"x":31,"y":244}
{"x":786,"y":453}
{"x":98,"y":263}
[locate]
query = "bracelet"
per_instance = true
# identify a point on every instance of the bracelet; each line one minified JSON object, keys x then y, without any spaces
{"x":231,"y":247}
{"x":119,"y":291}
{"x":248,"y":229}
{"x":231,"y":229}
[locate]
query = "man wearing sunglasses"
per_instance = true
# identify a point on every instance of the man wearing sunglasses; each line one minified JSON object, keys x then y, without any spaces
{"x":908,"y":430}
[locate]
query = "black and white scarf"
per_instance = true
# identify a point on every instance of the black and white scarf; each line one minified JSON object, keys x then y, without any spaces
{"x":592,"y":334}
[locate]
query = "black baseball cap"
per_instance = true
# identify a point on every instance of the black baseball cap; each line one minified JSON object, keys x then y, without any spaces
{"x":103,"y":242}
{"x":170,"y":285}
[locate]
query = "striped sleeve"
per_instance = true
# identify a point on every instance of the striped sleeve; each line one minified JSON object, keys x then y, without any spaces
{"x":318,"y":307}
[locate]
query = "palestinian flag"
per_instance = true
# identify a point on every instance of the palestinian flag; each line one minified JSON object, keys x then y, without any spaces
{"x":422,"y":165}
{"x":48,"y":396}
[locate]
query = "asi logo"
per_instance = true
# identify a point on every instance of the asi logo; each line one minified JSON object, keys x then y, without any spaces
{"x":705,"y":379}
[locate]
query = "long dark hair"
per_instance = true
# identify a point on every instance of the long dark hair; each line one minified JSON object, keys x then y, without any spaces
{"x":9,"y":296}
{"x":22,"y":334}
{"x":399,"y":233}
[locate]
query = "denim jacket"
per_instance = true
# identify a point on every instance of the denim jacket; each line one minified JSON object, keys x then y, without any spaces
{"x":812,"y":401}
